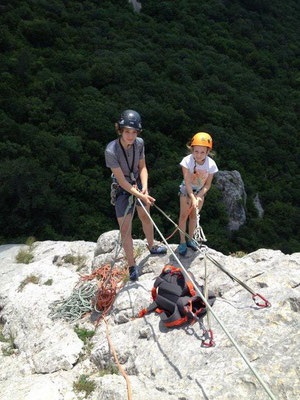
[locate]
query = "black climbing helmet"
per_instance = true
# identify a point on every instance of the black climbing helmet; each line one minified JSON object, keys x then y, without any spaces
{"x":130,"y":119}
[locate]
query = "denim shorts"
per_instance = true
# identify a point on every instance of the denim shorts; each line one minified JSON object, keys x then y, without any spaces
{"x":121,"y":202}
{"x":183,"y":191}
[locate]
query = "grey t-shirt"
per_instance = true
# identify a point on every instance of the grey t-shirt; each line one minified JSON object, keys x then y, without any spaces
{"x":114,"y":157}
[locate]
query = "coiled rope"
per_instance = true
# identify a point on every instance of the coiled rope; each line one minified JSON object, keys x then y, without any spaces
{"x":88,"y":296}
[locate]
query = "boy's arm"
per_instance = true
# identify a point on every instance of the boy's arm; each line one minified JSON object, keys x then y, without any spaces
{"x":143,"y":175}
{"x":118,"y":173}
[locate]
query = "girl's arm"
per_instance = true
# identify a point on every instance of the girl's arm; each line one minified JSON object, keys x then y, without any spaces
{"x":206,"y":187}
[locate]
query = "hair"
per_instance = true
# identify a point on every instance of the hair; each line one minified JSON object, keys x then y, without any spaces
{"x":119,"y":131}
{"x":190,"y":148}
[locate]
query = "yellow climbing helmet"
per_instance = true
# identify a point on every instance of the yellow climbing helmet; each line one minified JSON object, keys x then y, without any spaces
{"x":202,"y":139}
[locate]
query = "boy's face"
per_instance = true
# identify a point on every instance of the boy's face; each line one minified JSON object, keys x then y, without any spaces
{"x":199,"y":153}
{"x":129,"y":135}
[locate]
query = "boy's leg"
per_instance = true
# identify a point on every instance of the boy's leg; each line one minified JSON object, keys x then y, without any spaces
{"x":147,"y":225}
{"x":125,"y":224}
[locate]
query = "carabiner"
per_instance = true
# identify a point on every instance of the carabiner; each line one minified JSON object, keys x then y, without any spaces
{"x":262,"y":305}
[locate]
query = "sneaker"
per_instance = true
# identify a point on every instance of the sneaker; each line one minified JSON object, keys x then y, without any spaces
{"x":157,"y":249}
{"x":133,"y":273}
{"x":192,"y":244}
{"x":182,"y":249}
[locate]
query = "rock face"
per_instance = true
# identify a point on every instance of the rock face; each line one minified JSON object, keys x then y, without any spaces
{"x":42,"y":358}
{"x":136,"y":5}
{"x":234,"y":196}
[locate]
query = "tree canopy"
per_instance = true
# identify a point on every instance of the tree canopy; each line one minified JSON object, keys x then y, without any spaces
{"x":68,"y":68}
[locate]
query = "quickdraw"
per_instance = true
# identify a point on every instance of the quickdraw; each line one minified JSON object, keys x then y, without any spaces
{"x":199,"y":234}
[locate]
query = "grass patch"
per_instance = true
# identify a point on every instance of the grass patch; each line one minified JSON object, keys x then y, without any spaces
{"x":25,"y":256}
{"x":10,"y":347}
{"x":48,"y":282}
{"x":111,"y":369}
{"x":30,"y":279}
{"x":84,"y":385}
{"x":84,"y":334}
{"x":78,"y":260}
{"x":238,"y":254}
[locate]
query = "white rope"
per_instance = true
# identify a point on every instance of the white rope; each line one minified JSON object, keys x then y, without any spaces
{"x":199,"y":234}
{"x":268,"y":391}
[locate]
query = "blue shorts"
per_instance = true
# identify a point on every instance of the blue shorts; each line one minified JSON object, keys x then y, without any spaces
{"x":122,"y":202}
{"x":183,"y":191}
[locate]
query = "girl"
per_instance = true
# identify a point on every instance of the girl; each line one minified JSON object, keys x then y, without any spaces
{"x":125,"y":157}
{"x":198,"y":170}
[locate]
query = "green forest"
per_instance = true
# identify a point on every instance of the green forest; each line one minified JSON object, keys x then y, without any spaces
{"x":68,"y":69}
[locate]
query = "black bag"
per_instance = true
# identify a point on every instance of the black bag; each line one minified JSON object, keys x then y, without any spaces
{"x":175,"y":298}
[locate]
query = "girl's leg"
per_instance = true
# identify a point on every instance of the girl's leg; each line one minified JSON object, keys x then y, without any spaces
{"x":192,"y":222}
{"x":183,"y":216}
{"x":147,"y":225}
{"x":125,"y":224}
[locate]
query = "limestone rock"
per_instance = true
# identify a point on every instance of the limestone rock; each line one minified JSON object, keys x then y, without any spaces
{"x":234,"y":196}
{"x":47,"y":356}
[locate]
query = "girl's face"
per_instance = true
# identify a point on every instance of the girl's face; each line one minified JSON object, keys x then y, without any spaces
{"x":128,"y":136}
{"x":200,"y":153}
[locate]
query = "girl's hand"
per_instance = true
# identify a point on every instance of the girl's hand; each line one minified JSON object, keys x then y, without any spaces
{"x":194,"y":202}
{"x":199,"y":200}
{"x":144,"y":190}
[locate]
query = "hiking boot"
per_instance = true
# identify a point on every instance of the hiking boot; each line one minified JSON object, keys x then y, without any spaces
{"x":133,"y":273}
{"x":158,"y":249}
{"x":192,"y":245}
{"x":182,"y":249}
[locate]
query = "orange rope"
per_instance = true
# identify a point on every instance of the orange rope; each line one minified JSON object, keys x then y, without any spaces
{"x":121,"y":369}
{"x":110,"y":281}
{"x":176,"y":229}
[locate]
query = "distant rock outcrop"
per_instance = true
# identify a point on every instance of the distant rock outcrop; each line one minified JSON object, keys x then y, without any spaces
{"x":234,"y":196}
{"x":42,"y":358}
{"x":136,"y":5}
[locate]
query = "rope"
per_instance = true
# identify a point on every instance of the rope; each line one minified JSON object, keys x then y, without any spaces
{"x":100,"y":296}
{"x":110,"y":282}
{"x":199,"y":234}
{"x":202,"y":248}
{"x":78,"y":304}
{"x":177,"y":227}
{"x":268,"y":391}
{"x":121,"y":369}
{"x":209,"y":342}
